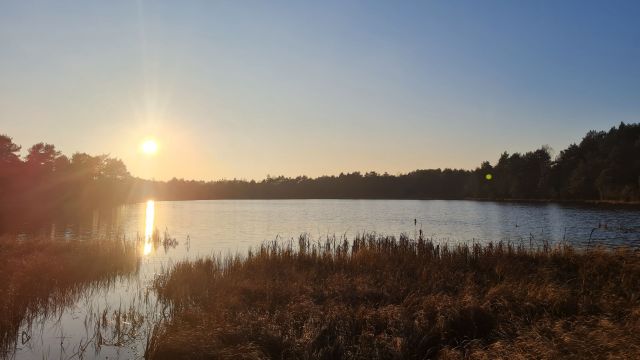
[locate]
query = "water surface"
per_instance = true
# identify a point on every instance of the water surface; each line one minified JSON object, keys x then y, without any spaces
{"x":228,"y":226}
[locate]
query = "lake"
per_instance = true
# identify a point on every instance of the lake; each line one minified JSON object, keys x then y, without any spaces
{"x":231,"y":226}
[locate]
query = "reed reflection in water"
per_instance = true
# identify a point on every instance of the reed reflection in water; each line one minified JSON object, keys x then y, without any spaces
{"x":75,"y":270}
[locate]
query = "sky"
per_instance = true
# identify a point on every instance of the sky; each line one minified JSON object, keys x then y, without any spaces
{"x":246,"y":89}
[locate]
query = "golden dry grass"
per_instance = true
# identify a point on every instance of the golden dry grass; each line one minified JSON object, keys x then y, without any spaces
{"x":386,"y":298}
{"x":39,"y":276}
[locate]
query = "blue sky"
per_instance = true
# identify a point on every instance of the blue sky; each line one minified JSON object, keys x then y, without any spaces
{"x":245,"y":89}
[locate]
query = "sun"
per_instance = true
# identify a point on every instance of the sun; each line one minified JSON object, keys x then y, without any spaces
{"x":149,"y":147}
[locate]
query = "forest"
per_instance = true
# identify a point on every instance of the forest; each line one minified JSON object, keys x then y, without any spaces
{"x":604,"y":166}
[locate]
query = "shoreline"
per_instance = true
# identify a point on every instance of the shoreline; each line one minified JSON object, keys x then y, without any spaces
{"x":501,"y":200}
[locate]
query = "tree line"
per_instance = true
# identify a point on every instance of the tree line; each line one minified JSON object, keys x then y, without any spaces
{"x":605,"y":165}
{"x":45,"y":180}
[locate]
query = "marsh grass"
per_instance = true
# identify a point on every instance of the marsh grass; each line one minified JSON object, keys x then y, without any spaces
{"x":165,"y":240}
{"x":39,"y":277}
{"x":385,"y":298}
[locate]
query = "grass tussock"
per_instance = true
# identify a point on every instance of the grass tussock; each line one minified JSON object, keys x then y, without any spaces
{"x":386,"y":298}
{"x":39,"y":277}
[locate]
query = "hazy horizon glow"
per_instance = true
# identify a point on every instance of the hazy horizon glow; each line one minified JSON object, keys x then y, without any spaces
{"x":242,"y":90}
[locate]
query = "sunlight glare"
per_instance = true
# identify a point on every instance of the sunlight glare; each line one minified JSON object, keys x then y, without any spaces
{"x":148,"y":227}
{"x":149,"y":146}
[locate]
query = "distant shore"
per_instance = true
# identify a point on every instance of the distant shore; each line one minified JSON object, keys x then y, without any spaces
{"x":564,"y":201}
{"x":533,"y":201}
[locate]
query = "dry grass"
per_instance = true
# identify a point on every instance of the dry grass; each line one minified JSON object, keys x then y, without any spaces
{"x":43,"y":276}
{"x":382,"y":298}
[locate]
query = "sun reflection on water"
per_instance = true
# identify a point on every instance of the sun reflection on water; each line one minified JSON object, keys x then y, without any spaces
{"x":148,"y":227}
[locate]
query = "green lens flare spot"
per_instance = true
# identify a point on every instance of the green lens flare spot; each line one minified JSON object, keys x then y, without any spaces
{"x":488,"y":176}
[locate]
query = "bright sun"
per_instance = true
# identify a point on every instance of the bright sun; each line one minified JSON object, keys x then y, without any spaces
{"x":149,"y":146}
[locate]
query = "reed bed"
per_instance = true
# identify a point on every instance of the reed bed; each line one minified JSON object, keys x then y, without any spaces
{"x":42,"y":276}
{"x":386,"y":298}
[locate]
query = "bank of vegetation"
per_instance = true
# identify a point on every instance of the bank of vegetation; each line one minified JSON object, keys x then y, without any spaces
{"x":386,"y":298}
{"x":40,"y":277}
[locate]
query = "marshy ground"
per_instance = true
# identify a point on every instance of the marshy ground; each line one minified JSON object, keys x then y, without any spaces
{"x":372,"y":297}
{"x":378,"y":297}
{"x":40,"y":276}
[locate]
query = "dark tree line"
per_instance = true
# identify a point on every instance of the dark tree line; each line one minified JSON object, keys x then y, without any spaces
{"x":46,"y":180}
{"x":603,"y":166}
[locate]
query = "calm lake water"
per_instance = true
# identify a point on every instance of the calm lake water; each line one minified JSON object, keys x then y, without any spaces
{"x":230,"y":226}
{"x":234,"y":225}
